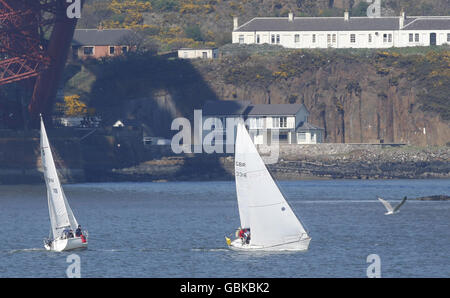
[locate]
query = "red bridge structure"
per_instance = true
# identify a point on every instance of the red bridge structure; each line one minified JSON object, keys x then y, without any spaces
{"x":25,"y":52}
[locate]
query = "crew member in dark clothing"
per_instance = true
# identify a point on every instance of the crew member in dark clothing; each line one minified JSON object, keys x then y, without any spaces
{"x":78,"y":232}
{"x":247,"y":236}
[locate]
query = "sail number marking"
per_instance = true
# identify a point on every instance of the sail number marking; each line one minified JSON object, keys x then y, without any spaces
{"x":240,"y":164}
{"x":240,"y":174}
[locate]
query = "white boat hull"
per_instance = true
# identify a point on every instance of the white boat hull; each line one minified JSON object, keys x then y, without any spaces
{"x":300,"y":245}
{"x":66,"y":244}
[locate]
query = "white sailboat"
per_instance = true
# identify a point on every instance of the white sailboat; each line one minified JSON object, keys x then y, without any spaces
{"x":263,"y":210}
{"x":63,"y":222}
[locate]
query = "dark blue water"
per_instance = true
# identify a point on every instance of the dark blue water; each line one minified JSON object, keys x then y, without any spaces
{"x":178,"y":229}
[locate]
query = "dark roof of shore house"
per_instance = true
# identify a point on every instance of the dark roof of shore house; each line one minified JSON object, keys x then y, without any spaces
{"x":275,"y":109}
{"x":100,"y":37}
{"x":237,"y":107}
{"x":340,"y":24}
{"x":225,"y":107}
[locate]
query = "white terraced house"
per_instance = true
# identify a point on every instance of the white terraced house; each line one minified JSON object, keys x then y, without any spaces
{"x":344,"y":32}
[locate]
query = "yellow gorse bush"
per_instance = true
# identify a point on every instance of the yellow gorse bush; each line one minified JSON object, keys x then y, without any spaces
{"x":132,"y":10}
{"x":72,"y":106}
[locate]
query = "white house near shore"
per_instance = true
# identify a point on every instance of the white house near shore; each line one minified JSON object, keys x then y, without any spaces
{"x":266,"y":123}
{"x":203,"y":53}
{"x":344,"y":32}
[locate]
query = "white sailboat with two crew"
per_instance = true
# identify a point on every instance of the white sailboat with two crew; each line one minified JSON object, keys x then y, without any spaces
{"x":65,"y":232}
{"x":266,"y":218}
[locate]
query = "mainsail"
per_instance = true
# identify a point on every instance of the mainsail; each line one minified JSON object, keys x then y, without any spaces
{"x":242,"y":185}
{"x":61,"y":216}
{"x":262,"y":206}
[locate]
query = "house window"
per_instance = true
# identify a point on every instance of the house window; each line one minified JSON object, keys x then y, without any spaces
{"x":257,"y":123}
{"x":411,"y":37}
{"x":301,"y":137}
{"x":352,"y":38}
{"x":241,"y":39}
{"x":416,"y":37}
{"x":297,"y":38}
{"x":331,"y":38}
{"x":112,"y":50}
{"x":278,"y":38}
{"x":204,"y":55}
{"x":124,"y":50}
{"x":257,"y":39}
{"x":448,"y":37}
{"x":283,"y":137}
{"x":280,"y":122}
{"x":370,"y":38}
{"x":88,"y":51}
{"x":387,"y":37}
{"x":313,"y":38}
{"x":273,"y":38}
{"x":260,"y":122}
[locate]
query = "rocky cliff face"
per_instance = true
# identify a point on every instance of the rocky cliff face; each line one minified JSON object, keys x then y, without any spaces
{"x":355,"y":100}
{"x":357,"y":96}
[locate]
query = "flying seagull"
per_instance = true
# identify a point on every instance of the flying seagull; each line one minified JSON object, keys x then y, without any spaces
{"x":389,"y":208}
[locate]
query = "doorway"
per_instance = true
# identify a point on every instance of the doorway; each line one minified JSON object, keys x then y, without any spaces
{"x":432,"y":39}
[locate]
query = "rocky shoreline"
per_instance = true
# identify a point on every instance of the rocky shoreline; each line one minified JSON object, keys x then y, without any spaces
{"x":434,"y":198}
{"x":322,"y":161}
{"x":99,"y":158}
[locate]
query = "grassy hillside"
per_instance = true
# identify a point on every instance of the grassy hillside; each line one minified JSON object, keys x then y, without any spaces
{"x":180,"y":23}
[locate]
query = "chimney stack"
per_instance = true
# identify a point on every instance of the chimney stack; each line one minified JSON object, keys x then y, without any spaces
{"x":291,"y":16}
{"x":235,"y":23}
{"x":346,"y":15}
{"x":402,"y":19}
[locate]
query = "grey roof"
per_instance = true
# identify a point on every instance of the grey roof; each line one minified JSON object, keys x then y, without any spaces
{"x":307,"y":126}
{"x":340,"y":24}
{"x":241,"y":108}
{"x":274,"y":109}
{"x":97,"y":37}
{"x":429,"y":24}
{"x":225,"y":107}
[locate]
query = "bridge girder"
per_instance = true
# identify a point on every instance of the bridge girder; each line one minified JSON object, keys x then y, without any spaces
{"x":25,"y":53}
